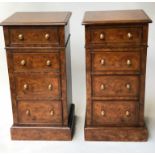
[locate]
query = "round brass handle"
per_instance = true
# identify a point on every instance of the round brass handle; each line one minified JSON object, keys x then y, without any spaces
{"x":129,"y":35}
{"x":52,"y":112}
{"x":127,"y":113}
{"x":102,"y":62}
{"x":128,"y":62}
{"x":20,"y":37}
{"x":128,"y":86}
{"x":47,"y":36}
{"x":27,"y":112}
{"x":50,"y":86}
{"x":102,"y":36}
{"x":25,"y":86}
{"x":23,"y":62}
{"x":48,"y":63}
{"x":102,"y":87}
{"x":102,"y":112}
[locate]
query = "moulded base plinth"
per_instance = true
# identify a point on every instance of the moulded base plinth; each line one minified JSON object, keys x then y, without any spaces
{"x":116,"y":133}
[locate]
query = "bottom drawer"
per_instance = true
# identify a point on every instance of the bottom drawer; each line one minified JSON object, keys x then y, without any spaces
{"x":116,"y":113}
{"x":30,"y":112}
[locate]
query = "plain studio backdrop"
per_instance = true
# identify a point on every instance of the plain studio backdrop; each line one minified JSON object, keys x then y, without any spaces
{"x":78,"y":82}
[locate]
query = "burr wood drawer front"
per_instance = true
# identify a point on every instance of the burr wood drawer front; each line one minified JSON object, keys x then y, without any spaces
{"x":36,"y":86}
{"x":115,"y":86}
{"x":114,"y":112}
{"x":49,"y":112}
{"x":36,"y":62}
{"x":103,"y":35}
{"x":34,"y":36}
{"x":116,"y":61}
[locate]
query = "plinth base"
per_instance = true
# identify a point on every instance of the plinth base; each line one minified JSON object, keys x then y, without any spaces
{"x":116,"y":133}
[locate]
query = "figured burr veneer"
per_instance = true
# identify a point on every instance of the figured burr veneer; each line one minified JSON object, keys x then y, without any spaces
{"x":38,"y":56}
{"x":116,"y":50}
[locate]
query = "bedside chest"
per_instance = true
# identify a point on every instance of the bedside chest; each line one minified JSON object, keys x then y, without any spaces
{"x":39,"y":65}
{"x":116,"y":49}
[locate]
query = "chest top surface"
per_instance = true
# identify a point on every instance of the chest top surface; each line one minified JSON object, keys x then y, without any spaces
{"x":115,"y":17}
{"x":38,"y":18}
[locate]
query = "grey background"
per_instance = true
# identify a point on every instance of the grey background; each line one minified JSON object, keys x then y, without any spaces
{"x":78,"y":80}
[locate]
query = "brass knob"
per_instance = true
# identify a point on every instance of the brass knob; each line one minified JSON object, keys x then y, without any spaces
{"x":25,"y":86}
{"x":102,"y":87}
{"x":129,"y":35}
{"x":102,"y":62}
{"x":127,"y":113}
{"x":20,"y":37}
{"x":128,"y":86}
{"x":23,"y":62}
{"x":50,"y":86}
{"x":47,"y":36}
{"x":48,"y":62}
{"x":102,"y":112}
{"x":102,"y":36}
{"x":52,"y":112}
{"x":128,"y":62}
{"x":27,"y":112}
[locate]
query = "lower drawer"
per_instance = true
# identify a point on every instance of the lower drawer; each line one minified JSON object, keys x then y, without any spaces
{"x":39,"y":112}
{"x":116,"y":113}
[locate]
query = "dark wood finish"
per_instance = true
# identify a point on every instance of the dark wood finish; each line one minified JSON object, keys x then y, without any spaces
{"x":116,"y":48}
{"x":38,"y":54}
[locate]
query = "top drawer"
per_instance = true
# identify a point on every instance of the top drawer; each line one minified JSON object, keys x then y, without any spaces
{"x":103,"y":35}
{"x":35,"y":36}
{"x":29,"y":36}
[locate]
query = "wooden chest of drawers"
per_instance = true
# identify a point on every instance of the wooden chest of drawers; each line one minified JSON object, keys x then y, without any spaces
{"x":38,"y":56}
{"x":116,"y":49}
